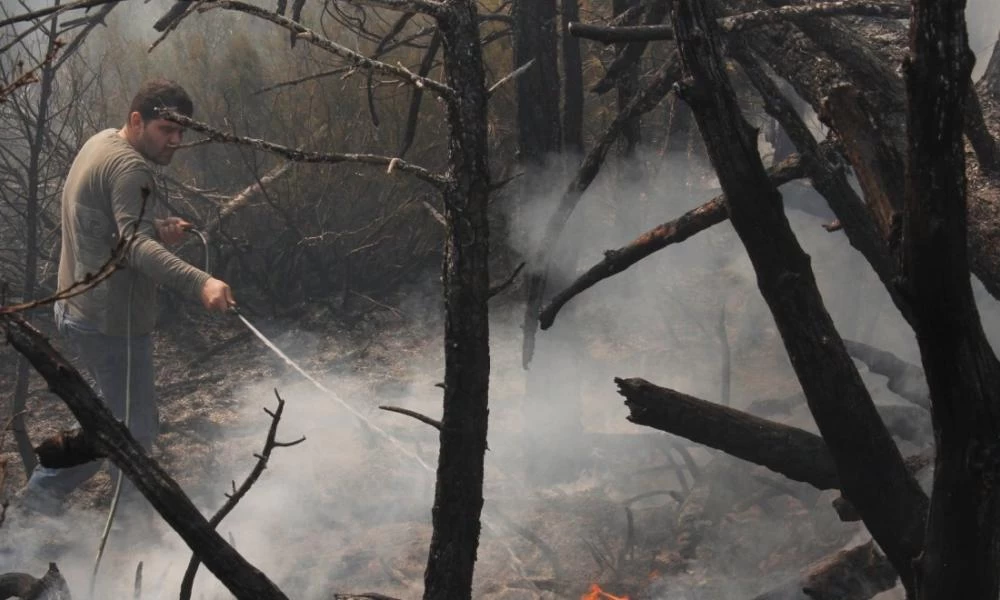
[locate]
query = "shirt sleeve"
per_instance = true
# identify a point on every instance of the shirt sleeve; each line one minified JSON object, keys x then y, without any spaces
{"x":132,"y":196}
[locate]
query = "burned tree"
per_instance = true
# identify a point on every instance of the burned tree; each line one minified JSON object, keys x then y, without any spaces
{"x":914,"y":213}
{"x":535,"y":39}
{"x":464,"y":188}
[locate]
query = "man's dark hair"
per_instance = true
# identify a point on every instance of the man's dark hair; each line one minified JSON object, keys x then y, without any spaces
{"x":161,"y":93}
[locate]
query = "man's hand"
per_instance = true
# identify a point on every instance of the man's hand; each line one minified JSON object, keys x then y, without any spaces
{"x":171,"y":230}
{"x":216,"y":295}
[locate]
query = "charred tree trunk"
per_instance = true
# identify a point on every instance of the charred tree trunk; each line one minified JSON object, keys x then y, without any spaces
{"x":869,"y":465}
{"x":458,"y":495}
{"x":572,"y":123}
{"x":538,"y":126}
{"x":963,"y":529}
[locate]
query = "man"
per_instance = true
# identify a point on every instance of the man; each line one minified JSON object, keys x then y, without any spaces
{"x":109,"y":193}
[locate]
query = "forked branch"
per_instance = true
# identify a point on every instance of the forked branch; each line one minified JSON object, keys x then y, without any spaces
{"x":270,"y":443}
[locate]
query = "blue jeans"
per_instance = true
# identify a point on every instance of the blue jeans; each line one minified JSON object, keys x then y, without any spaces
{"x":106,"y":360}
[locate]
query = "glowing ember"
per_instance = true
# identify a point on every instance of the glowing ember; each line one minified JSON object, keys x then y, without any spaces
{"x":596,"y":593}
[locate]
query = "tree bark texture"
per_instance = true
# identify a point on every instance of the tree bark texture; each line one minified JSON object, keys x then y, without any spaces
{"x":538,"y":120}
{"x":963,"y":528}
{"x":162,"y":492}
{"x":869,"y":465}
{"x":458,"y":494}
{"x":572,"y":123}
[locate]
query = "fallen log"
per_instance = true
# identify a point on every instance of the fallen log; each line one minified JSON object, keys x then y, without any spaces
{"x":795,"y":453}
{"x":790,"y":451}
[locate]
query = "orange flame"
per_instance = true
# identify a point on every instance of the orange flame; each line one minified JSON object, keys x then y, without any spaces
{"x":596,"y":593}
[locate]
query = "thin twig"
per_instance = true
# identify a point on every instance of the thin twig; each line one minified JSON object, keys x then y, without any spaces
{"x":50,"y":10}
{"x":511,"y":76}
{"x":506,"y":283}
{"x":233,"y":499}
{"x":297,"y":155}
{"x":29,"y":77}
{"x":90,"y":280}
{"x":358,"y":60}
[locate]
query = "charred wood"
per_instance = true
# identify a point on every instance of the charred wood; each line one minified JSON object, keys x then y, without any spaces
{"x":174,"y":13}
{"x":417,"y":95}
{"x":648,"y":97}
{"x":68,"y":449}
{"x":632,"y":52}
{"x":870,"y":468}
{"x":690,"y":223}
{"x":239,"y":576}
{"x":963,"y":374}
{"x":827,"y":172}
{"x":649,"y":32}
{"x":790,"y":451}
{"x":572,"y":116}
{"x":270,"y":443}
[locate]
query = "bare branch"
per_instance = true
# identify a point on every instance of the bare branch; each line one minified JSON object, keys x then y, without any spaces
{"x":744,"y":21}
{"x":869,"y":465}
{"x":159,"y":488}
{"x":303,"y":156}
{"x":673,"y":232}
{"x":427,"y":7}
{"x":511,"y":76}
{"x":29,"y":77}
{"x":54,"y":10}
{"x":506,"y":283}
{"x":647,"y":98}
{"x":358,"y":60}
{"x":417,"y":94}
{"x":187,"y":583}
{"x":411,"y":413}
{"x":91,"y":280}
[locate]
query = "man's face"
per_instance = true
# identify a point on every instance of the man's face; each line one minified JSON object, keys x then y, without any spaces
{"x":157,"y":139}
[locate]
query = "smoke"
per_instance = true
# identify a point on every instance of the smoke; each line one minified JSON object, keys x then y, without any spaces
{"x":346,"y":511}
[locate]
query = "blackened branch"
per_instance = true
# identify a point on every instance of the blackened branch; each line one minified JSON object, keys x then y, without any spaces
{"x":187,"y":584}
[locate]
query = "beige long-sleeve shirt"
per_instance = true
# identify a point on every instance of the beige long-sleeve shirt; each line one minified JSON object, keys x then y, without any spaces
{"x":102,"y":199}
